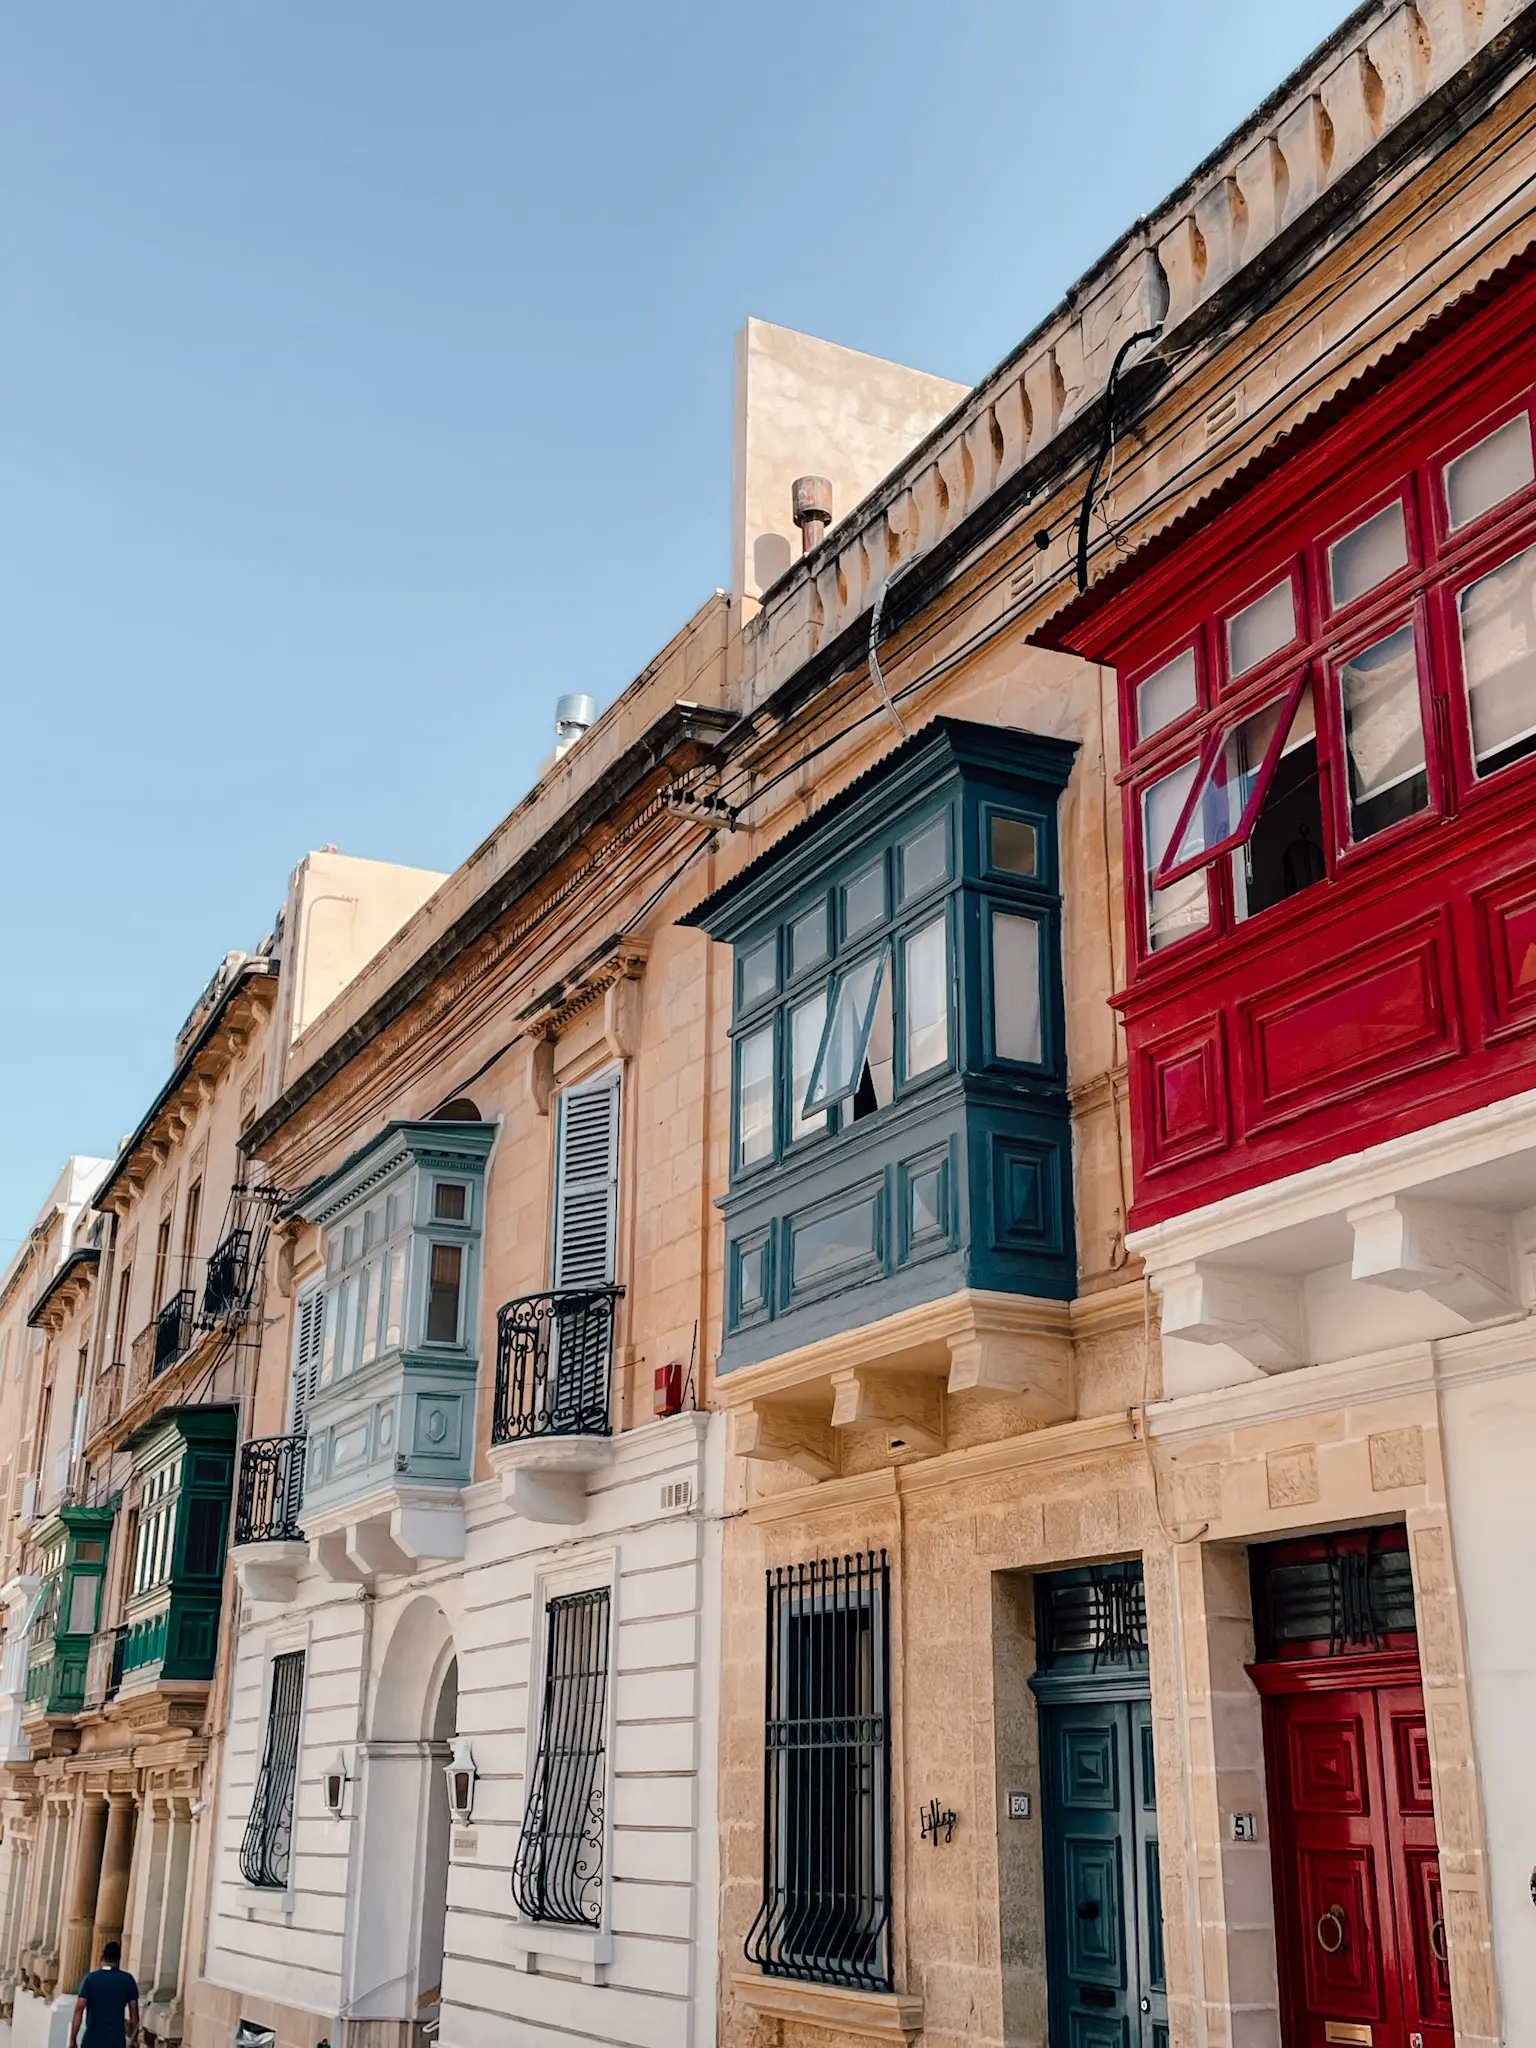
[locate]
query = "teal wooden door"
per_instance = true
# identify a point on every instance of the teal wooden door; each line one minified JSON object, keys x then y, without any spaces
{"x":1103,"y":1888}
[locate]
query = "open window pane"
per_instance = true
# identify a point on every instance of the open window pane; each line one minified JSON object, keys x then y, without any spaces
{"x":1230,"y":786}
{"x":1166,"y":694}
{"x":1488,"y":473}
{"x":1283,"y":851}
{"x":1498,"y":651}
{"x":1375,"y":550}
{"x":807,"y":1021}
{"x":754,"y":1096}
{"x":1016,"y":988}
{"x":1383,"y":734}
{"x":1183,"y":907}
{"x":877,"y":1077}
{"x":1261,"y":628}
{"x":840,"y":1059}
{"x":925,"y":981}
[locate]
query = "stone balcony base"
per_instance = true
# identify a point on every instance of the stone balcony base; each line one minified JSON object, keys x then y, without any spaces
{"x":269,"y":1571}
{"x":545,"y":1478}
{"x":386,"y":1533}
{"x":894,"y":2016}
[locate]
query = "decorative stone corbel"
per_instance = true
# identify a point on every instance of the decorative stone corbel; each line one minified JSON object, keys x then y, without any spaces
{"x":909,"y":1408}
{"x":1461,"y":1257}
{"x":541,"y":1070}
{"x":622,"y":1009}
{"x":1257,"y":1315}
{"x":1031,"y":1366}
{"x":786,"y":1436}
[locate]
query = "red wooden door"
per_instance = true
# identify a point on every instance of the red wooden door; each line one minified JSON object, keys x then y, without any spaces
{"x":1357,"y":1870}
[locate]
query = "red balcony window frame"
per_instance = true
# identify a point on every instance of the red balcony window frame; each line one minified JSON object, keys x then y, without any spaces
{"x":1406,"y":462}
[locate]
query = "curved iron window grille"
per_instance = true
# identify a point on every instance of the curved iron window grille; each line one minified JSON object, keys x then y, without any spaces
{"x":826,"y":1911}
{"x":1093,"y":1619}
{"x":270,"y":1490}
{"x":557,"y":1876}
{"x":554,"y":1361}
{"x":267,"y":1847}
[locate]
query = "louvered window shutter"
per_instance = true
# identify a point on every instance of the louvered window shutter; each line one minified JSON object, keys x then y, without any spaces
{"x":587,"y":1185}
{"x":306,"y":1354}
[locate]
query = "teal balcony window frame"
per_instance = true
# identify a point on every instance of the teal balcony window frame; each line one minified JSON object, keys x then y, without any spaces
{"x":986,"y":1131}
{"x":185,"y":1462}
{"x":71,"y":1548}
{"x":388,"y":1401}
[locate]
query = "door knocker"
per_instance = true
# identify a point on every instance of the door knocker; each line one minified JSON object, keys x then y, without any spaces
{"x":1437,"y":1943}
{"x":1332,"y":1919}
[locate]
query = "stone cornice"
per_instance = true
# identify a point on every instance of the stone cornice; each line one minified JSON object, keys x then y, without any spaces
{"x":66,"y":1290}
{"x":620,"y":958}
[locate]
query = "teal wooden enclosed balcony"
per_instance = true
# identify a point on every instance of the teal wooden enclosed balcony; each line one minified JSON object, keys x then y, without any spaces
{"x":71,"y":1549}
{"x":185,"y":1461}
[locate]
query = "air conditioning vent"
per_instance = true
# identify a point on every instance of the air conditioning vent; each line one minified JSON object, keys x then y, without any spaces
{"x":1224,"y":414}
{"x":677,"y":1493}
{"x":1026,"y":577}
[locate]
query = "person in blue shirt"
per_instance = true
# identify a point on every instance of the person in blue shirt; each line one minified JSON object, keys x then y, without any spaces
{"x":108,"y":2004}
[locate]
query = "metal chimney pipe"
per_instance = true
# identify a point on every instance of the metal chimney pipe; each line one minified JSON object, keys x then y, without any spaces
{"x":811,"y":497}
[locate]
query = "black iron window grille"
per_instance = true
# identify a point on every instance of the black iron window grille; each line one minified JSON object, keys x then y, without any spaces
{"x":826,"y":1911}
{"x":227,"y":1281}
{"x":1093,"y":1619}
{"x":173,"y":1329}
{"x":557,"y":1875}
{"x":266,"y":1849}
{"x":270,"y":1491}
{"x":554,"y":1363}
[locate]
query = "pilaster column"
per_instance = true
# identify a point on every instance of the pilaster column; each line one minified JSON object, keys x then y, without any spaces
{"x":173,"y":1913}
{"x":148,"y":1890}
{"x":85,"y":1881}
{"x":116,"y":1861}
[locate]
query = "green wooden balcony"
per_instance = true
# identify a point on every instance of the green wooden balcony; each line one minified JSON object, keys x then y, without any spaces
{"x":185,"y":1460}
{"x":71,"y":1549}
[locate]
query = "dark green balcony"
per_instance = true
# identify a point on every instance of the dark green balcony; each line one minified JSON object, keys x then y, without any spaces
{"x":71,"y":1549}
{"x":185,"y":1461}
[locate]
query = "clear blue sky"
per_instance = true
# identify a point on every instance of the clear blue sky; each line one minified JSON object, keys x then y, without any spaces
{"x":366,"y":381}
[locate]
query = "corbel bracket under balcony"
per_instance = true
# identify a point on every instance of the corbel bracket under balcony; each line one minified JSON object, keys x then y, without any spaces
{"x":1257,"y":1315}
{"x":1461,"y":1257}
{"x":269,"y":1571}
{"x":546,"y":1478}
{"x":386,"y":1534}
{"x":907,"y":1406}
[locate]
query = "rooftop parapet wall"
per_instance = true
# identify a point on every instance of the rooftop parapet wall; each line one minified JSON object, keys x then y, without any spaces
{"x":1284,"y":162}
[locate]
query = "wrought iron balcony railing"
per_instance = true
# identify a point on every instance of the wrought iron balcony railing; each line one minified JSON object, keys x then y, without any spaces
{"x":227,"y":1282}
{"x":271,"y":1490}
{"x":173,"y":1329}
{"x":554,"y":1364}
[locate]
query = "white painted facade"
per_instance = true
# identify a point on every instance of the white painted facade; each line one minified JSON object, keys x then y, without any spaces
{"x":395,"y":1669}
{"x":1404,"y":1274}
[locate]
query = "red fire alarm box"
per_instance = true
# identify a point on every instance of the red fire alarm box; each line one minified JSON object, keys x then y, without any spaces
{"x":669,"y":1388}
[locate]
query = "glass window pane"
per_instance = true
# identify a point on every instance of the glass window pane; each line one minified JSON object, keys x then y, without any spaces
{"x":864,"y":901}
{"x":344,"y":1311}
{"x":1174,"y":912}
{"x":923,"y":860}
{"x":1260,"y":628}
{"x":1383,"y":734}
{"x":1283,"y":851}
{"x":749,"y":1278}
{"x":842,"y":1050}
{"x":754,"y":1096}
{"x":1375,"y":550}
{"x":808,"y":939}
{"x":367,"y":1325}
{"x":1166,"y":695}
{"x":833,"y":1241}
{"x":1498,"y":647}
{"x":759,"y":972}
{"x":1016,"y":1027}
{"x":877,"y":1082}
{"x":393,"y":1307}
{"x":1229,"y":782}
{"x":443,"y":1294}
{"x":1487,"y":474}
{"x":925,"y":979}
{"x":1013,"y":848}
{"x":807,"y":1021}
{"x":448,"y":1201}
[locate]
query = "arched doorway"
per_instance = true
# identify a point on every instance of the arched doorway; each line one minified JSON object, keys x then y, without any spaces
{"x":400,"y":1845}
